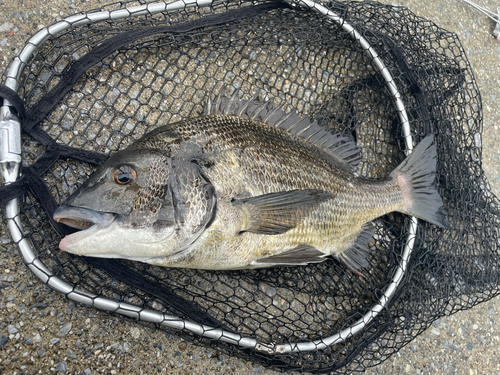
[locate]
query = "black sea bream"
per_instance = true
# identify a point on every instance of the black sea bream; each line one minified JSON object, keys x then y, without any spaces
{"x":243,"y":186}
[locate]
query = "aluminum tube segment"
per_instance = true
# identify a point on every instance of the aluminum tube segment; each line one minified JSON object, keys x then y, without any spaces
{"x":13,"y":221}
{"x":42,"y":276}
{"x":77,"y":296}
{"x":151,"y":316}
{"x":15,"y":69}
{"x":174,"y":323}
{"x":129,"y":310}
{"x":39,"y":37}
{"x":59,"y":27}
{"x":106,"y":304}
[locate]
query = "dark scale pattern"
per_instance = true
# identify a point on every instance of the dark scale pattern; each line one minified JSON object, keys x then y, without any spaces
{"x":310,"y":65}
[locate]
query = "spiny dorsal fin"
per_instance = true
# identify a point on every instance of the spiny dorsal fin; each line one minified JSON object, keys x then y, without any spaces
{"x":341,"y":148}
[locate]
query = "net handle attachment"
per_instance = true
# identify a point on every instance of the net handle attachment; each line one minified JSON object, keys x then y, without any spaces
{"x":10,"y":128}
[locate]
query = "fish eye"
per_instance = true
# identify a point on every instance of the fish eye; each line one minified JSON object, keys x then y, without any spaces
{"x":124,"y":175}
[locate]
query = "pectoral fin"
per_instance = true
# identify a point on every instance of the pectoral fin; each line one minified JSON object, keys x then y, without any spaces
{"x":298,"y":256}
{"x":277,"y":213}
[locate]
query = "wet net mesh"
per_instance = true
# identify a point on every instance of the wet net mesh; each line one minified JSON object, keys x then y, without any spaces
{"x":303,"y":60}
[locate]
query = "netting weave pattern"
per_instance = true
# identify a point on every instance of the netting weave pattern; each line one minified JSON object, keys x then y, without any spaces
{"x":308,"y":63}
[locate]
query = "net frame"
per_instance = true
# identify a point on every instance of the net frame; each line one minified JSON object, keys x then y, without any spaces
{"x":10,"y":160}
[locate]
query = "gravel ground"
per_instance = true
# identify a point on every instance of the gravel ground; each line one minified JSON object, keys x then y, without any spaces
{"x":42,"y":332}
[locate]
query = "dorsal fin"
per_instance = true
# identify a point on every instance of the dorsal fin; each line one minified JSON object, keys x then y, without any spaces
{"x":340,"y":147}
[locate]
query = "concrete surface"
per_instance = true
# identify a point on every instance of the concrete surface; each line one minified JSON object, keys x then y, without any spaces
{"x":46,"y":340}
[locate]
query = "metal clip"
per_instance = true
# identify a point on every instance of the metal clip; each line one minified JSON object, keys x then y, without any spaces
{"x":494,"y":16}
{"x":270,"y":348}
{"x":10,"y":148}
{"x":496,"y":32}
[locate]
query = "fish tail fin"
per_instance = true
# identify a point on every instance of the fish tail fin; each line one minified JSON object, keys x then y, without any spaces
{"x":415,"y":176}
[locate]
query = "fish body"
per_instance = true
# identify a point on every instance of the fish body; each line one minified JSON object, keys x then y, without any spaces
{"x":243,"y":186}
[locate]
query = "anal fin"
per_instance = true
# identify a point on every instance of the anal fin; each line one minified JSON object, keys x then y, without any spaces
{"x":298,"y":256}
{"x":354,"y":257}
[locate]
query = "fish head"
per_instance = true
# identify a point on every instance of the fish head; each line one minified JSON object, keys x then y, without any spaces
{"x":140,"y":205}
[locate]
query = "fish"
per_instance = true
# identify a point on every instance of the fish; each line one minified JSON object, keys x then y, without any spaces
{"x":244,"y":185}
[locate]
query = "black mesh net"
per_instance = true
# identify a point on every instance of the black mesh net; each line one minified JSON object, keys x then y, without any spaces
{"x":309,"y":63}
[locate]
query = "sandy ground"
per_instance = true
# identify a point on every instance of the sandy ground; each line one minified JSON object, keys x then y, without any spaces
{"x":45,"y":340}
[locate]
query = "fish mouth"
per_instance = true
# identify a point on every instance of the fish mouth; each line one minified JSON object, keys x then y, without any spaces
{"x":83,"y":218}
{"x":87,"y":220}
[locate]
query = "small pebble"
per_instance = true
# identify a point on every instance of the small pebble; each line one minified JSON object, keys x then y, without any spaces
{"x":135,"y":332}
{"x":62,"y":367}
{"x":37,"y":338}
{"x":11,"y":329}
{"x":40,"y":305}
{"x":3,"y":341}
{"x":41,"y":353}
{"x":5,"y":27}
{"x":55,"y":340}
{"x":87,"y":371}
{"x":63,"y":331}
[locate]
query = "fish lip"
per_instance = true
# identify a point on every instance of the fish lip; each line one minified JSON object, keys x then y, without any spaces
{"x":83,"y":218}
